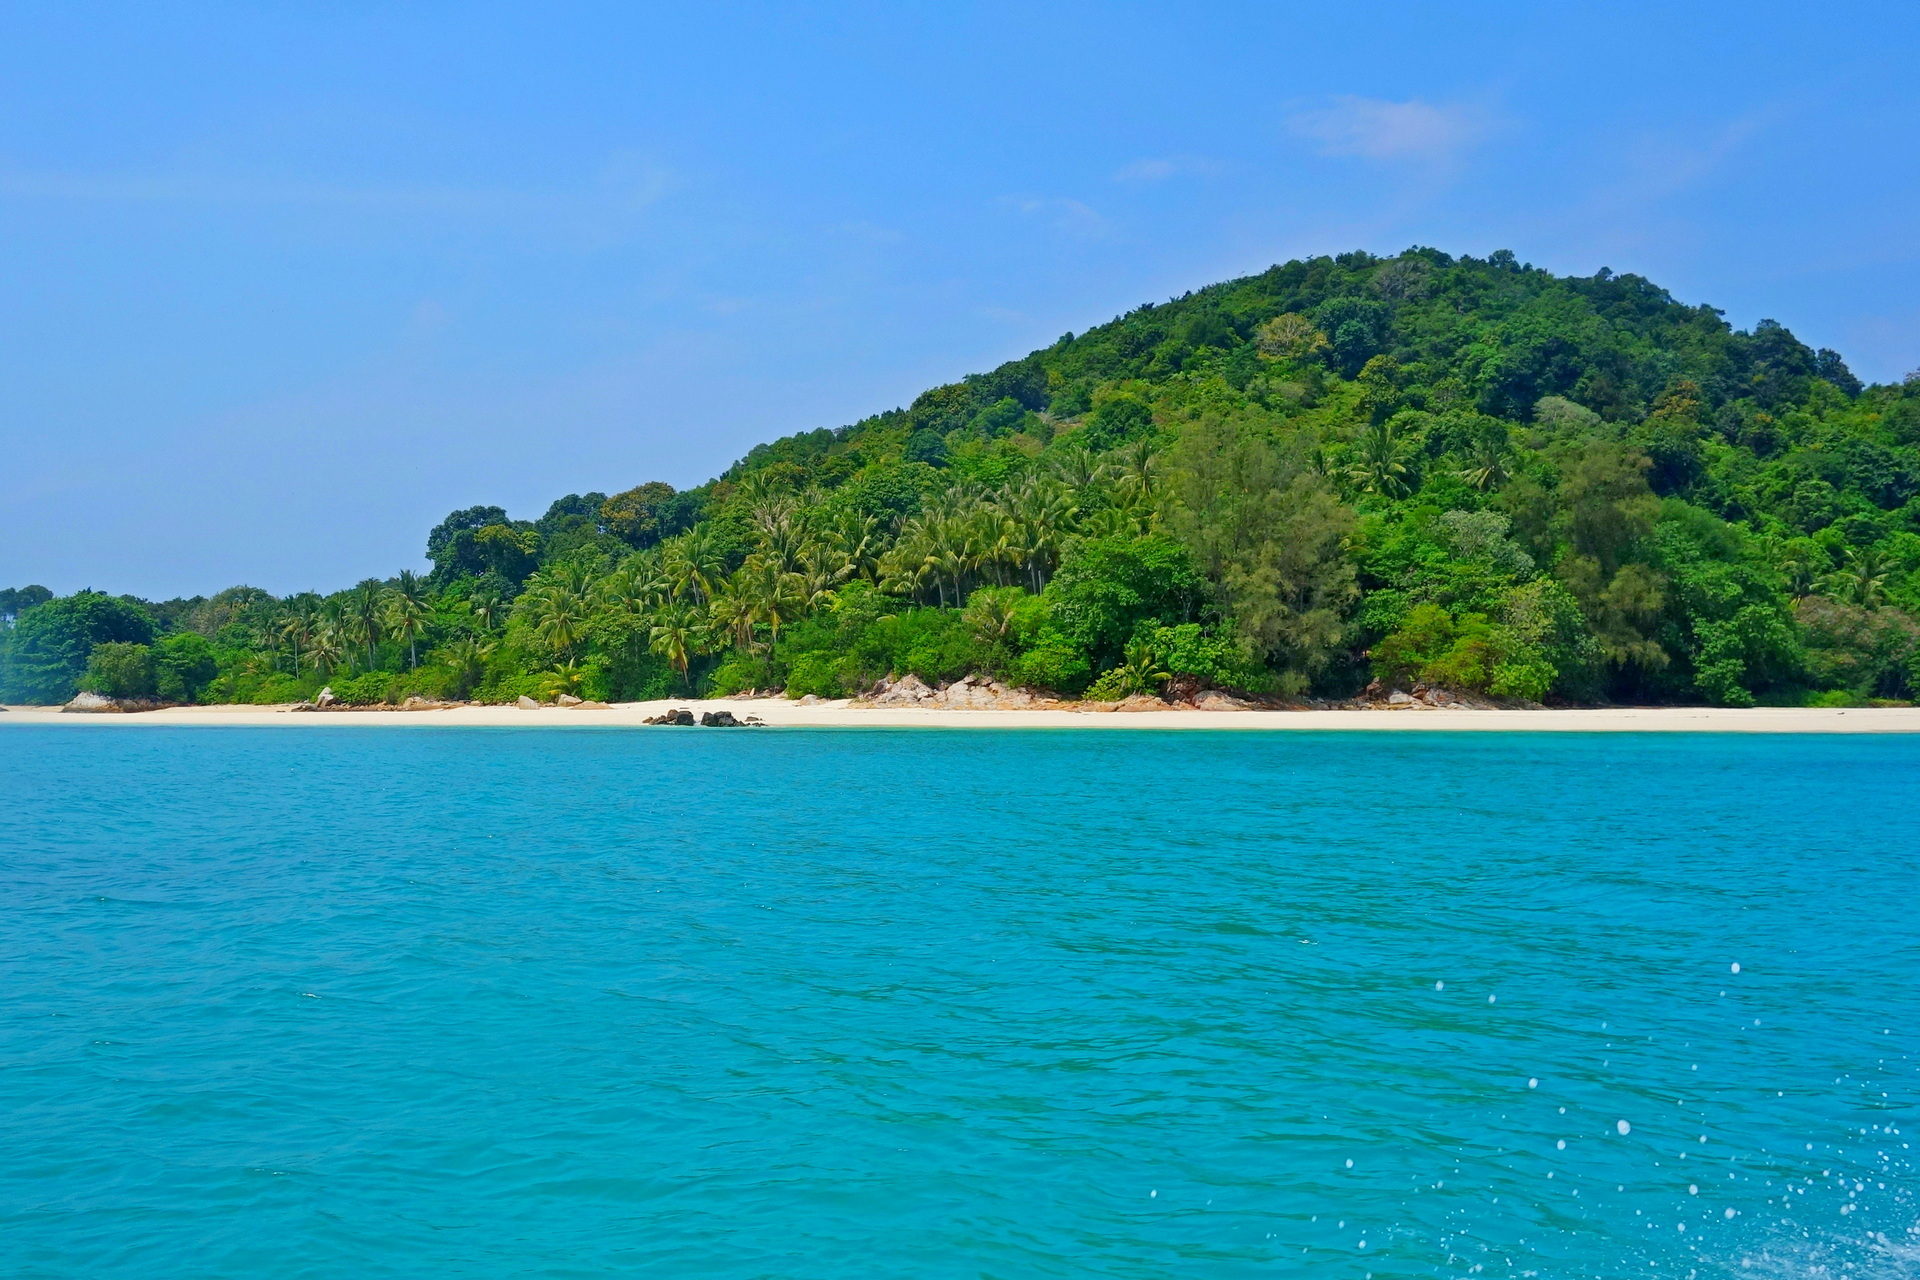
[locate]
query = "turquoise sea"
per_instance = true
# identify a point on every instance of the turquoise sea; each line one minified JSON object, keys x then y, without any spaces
{"x":921,"y":1003}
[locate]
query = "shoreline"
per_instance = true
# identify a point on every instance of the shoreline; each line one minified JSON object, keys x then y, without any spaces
{"x":780,"y":713}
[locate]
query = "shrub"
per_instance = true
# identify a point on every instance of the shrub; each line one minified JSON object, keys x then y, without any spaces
{"x":119,"y":670}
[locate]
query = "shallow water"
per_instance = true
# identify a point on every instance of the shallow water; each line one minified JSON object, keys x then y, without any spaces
{"x":839,"y":1003}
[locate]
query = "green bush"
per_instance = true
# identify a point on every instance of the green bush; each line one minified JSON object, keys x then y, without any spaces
{"x":184,"y":665}
{"x":119,"y":670}
{"x":370,"y":690}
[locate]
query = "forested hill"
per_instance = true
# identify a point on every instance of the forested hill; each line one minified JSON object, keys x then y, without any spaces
{"x":1466,"y":472}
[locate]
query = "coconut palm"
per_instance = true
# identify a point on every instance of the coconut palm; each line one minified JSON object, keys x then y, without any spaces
{"x":1862,"y":578}
{"x":1380,"y":462}
{"x":363,"y":612}
{"x":407,"y":612}
{"x":1485,"y":465}
{"x":676,"y":636}
{"x":555,"y":608}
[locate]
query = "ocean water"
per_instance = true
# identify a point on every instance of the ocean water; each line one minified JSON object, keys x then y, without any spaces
{"x":871,"y":1003}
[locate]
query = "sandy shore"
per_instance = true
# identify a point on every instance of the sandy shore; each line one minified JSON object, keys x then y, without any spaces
{"x":780,"y":712}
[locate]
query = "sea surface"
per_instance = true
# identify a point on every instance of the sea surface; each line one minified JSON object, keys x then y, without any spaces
{"x":925,"y":1003}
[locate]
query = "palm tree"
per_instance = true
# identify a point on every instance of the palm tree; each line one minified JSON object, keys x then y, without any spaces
{"x":1486,"y":465}
{"x":487,"y":607}
{"x":468,"y":657}
{"x":1862,"y":579}
{"x":297,"y":624}
{"x":555,"y":610}
{"x":408,"y":611}
{"x":675,"y":636}
{"x":328,"y":643}
{"x":363,"y":611}
{"x":1380,"y":462}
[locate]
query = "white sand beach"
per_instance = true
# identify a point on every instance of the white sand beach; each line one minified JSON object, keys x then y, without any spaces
{"x":779,"y":712}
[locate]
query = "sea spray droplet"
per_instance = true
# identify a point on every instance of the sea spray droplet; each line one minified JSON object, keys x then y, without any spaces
{"x":1623,"y":1127}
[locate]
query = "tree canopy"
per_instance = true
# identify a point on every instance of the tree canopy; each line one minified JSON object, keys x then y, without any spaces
{"x":1467,"y":472}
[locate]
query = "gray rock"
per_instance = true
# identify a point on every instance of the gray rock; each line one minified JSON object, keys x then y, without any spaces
{"x":719,"y":720}
{"x":525,"y":703}
{"x":325,"y":697}
{"x":568,"y":700}
{"x":908,"y":690}
{"x":1399,"y":699}
{"x":588,"y":705}
{"x":92,"y":704}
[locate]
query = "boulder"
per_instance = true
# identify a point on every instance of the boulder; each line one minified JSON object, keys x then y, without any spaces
{"x":1400,"y":698}
{"x":908,"y":690}
{"x":525,"y":703}
{"x":810,"y":699}
{"x":588,"y":705}
{"x":1141,"y":702}
{"x":719,"y":720}
{"x":303,"y":706}
{"x":325,"y":697}
{"x":568,"y":700}
{"x":418,"y":703}
{"x":91,"y":704}
{"x":677,"y":716}
{"x":1217,"y":701}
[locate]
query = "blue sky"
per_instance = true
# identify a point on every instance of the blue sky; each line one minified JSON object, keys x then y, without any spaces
{"x":281,"y":285}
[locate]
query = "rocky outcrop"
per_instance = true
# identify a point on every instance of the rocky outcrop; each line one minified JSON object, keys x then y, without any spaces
{"x":1423,"y":697}
{"x":907,"y":691}
{"x":568,"y":700}
{"x":719,"y":720}
{"x":93,"y":704}
{"x":976,"y":692}
{"x":677,"y":716}
{"x":325,"y":698}
{"x":418,"y":703}
{"x":525,"y":703}
{"x":587,"y":704}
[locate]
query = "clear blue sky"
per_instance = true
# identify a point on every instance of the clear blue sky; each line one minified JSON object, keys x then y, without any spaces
{"x":280,"y":285}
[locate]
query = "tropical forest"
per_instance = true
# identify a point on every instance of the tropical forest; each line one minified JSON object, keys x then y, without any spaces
{"x":1340,"y":474}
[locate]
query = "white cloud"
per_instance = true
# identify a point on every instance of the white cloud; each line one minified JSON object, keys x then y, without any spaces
{"x":1160,"y":168}
{"x":625,"y":183}
{"x":1378,"y":129}
{"x":1068,"y":216}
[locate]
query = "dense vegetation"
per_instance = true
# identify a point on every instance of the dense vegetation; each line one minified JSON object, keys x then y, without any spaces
{"x":1465,"y":472}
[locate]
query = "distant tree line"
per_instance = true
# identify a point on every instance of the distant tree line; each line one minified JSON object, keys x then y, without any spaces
{"x":1464,"y":472}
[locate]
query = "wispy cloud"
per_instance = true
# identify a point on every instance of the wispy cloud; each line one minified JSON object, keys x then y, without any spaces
{"x":1161,"y":168}
{"x":1067,"y":216}
{"x":1381,"y":129}
{"x":624,"y":183}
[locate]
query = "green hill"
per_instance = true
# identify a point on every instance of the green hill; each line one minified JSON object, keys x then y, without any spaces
{"x":1470,"y":473}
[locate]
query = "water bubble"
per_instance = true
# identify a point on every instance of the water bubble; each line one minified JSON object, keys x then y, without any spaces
{"x":1439,"y":986}
{"x":1349,"y":1163}
{"x":1623,"y":1127}
{"x":1153,"y":1195}
{"x":1693,"y":1188}
{"x":1491,"y":999}
{"x":1533,"y":1082}
{"x":1734,"y":967}
{"x":1561,"y":1145}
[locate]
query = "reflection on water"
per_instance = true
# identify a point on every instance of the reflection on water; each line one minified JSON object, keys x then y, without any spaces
{"x":924,"y":1003}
